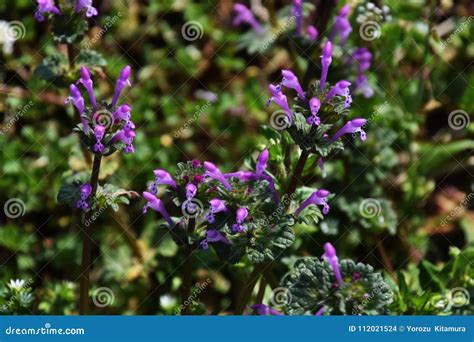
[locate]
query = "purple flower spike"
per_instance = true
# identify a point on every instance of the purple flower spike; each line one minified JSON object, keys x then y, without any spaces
{"x":99,"y":132}
{"x":122,"y":81}
{"x":331,"y":257}
{"x":162,"y":178}
{"x":78,"y":102}
{"x":318,"y":197}
{"x":86,"y":81}
{"x":341,"y":88}
{"x":342,"y":26}
{"x":312,"y":32}
{"x":280,"y":100}
{"x":351,"y":127}
{"x":87,"y":4}
{"x":241,"y":215}
{"x":156,"y":204}
{"x":262,"y":163}
{"x":245,"y":16}
{"x":298,"y":13}
{"x":326,"y":60}
{"x":320,"y":312}
{"x":85,"y":191}
{"x":216,"y":174}
{"x":45,"y":6}
{"x":314,"y":105}
{"x":291,"y":81}
{"x":263,"y":310}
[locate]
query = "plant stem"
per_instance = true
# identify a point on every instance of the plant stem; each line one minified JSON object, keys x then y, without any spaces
{"x":261,"y":290}
{"x":187,"y":273}
{"x":247,"y":290}
{"x":297,"y":173}
{"x":71,"y":56}
{"x":87,"y":243}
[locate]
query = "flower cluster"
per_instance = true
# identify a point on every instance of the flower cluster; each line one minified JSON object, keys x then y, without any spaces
{"x":46,"y":7}
{"x":105,"y":127}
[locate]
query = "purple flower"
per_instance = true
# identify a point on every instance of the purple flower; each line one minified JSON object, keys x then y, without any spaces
{"x":341,"y":88}
{"x":217,"y":206}
{"x":363,"y":87}
{"x":262,"y":163}
{"x":245,"y":16}
{"x":326,"y":60}
{"x":122,"y":81}
{"x":320,"y":312}
{"x":314,"y":105}
{"x":87,"y":4}
{"x":263,"y":310}
{"x":87,"y":83}
{"x":280,"y":100}
{"x":363,"y":58}
{"x":243,"y":176}
{"x":99,"y":133}
{"x":196,"y":163}
{"x":85,"y":191}
{"x":291,"y":81}
{"x":351,"y":127}
{"x":331,"y":257}
{"x":298,"y":13}
{"x":213,"y":172}
{"x":312,"y":32}
{"x":126,"y":135}
{"x":241,"y":215}
{"x":123,"y":113}
{"x":342,"y":26}
{"x":162,"y":178}
{"x":155,"y":203}
{"x":318,"y":197}
{"x":78,"y":102}
{"x":45,"y":6}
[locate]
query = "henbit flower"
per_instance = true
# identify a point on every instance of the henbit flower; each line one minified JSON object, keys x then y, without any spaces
{"x":87,"y":83}
{"x":99,"y":133}
{"x":314,"y":105}
{"x":318,"y":197}
{"x":363,"y":87}
{"x":85,"y":191}
{"x":87,"y":4}
{"x":341,"y":88}
{"x":291,"y":81}
{"x":298,"y":14}
{"x":45,"y":6}
{"x":331,"y":257}
{"x":213,"y":235}
{"x":262,"y":163}
{"x":363,"y":57}
{"x":156,"y":204}
{"x":320,"y":312}
{"x":263,"y":310}
{"x":245,"y":15}
{"x":122,"y":81}
{"x":122,"y":113}
{"x":342,"y":26}
{"x":213,"y":172}
{"x":351,"y":127}
{"x":78,"y":102}
{"x":241,"y":215}
{"x":191,"y":191}
{"x":217,"y":206}
{"x":243,"y":176}
{"x":126,"y":135}
{"x":280,"y":100}
{"x":326,"y":60}
{"x":312,"y":32}
{"x":161,"y":178}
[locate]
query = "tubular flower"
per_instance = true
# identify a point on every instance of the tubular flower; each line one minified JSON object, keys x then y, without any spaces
{"x":123,"y":113}
{"x":78,"y":102}
{"x":87,"y":4}
{"x":45,"y":6}
{"x":241,"y":215}
{"x":280,"y":100}
{"x":318,"y":197}
{"x":213,"y":235}
{"x":122,"y":81}
{"x":161,"y":178}
{"x":351,"y":127}
{"x":298,"y":13}
{"x":341,"y":88}
{"x":326,"y":60}
{"x":331,"y":257}
{"x":263,"y":310}
{"x":189,"y":205}
{"x":88,"y":84}
{"x":156,"y":204}
{"x":216,"y":206}
{"x":85,"y":191}
{"x":314,"y":105}
{"x":342,"y":26}
{"x":291,"y":81}
{"x":320,"y":312}
{"x":262,"y":163}
{"x":213,"y":172}
{"x":245,"y":16}
{"x":312,"y":32}
{"x":99,"y":132}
